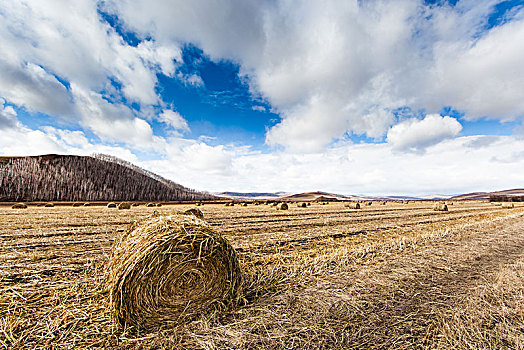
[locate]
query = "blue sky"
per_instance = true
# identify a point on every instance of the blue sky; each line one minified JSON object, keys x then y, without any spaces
{"x":377,"y":97}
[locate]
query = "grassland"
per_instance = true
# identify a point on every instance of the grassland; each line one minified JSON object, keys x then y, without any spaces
{"x":387,"y":276}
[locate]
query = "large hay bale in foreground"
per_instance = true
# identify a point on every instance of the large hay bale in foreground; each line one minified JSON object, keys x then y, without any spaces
{"x":283,"y":206}
{"x":19,"y":206}
{"x":124,"y":205}
{"x":111,"y":205}
{"x":167,"y":270}
{"x":196,"y":212}
{"x":440,"y":207}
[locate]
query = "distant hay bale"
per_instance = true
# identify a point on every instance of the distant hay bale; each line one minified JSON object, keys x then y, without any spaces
{"x":369,"y":203}
{"x":196,"y":212}
{"x":124,"y":205}
{"x":111,"y":205}
{"x":283,"y":206}
{"x":77,"y":204}
{"x":384,"y":203}
{"x":135,"y":204}
{"x":167,"y":270}
{"x":159,"y":204}
{"x":302,"y":205}
{"x":244,"y":204}
{"x":150,"y":205}
{"x":87,"y":204}
{"x":440,"y":207}
{"x":508,"y":205}
{"x":49,"y":205}
{"x":19,"y":206}
{"x":308,"y":204}
{"x":275,"y":204}
{"x":353,"y":205}
{"x":226,"y":205}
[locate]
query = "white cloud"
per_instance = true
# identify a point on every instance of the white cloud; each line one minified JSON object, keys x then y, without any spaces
{"x":416,"y":135}
{"x":343,"y":66}
{"x":7,"y":116}
{"x":23,"y":141}
{"x":191,"y":79}
{"x":173,"y":119}
{"x":450,"y":167}
{"x":39,"y":43}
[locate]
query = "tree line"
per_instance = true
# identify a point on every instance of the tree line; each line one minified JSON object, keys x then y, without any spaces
{"x":85,"y":178}
{"x":502,"y":198}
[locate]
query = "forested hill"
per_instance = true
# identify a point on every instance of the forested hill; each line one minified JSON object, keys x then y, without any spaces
{"x":85,"y":178}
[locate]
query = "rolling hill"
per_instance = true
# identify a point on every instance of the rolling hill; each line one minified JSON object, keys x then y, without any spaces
{"x":55,"y":177}
{"x":517,"y":192}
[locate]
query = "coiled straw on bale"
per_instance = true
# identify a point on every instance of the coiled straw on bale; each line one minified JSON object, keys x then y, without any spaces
{"x":167,"y":270}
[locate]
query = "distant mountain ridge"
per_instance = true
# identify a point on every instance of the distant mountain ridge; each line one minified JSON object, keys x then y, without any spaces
{"x":99,"y":177}
{"x":250,"y":195}
{"x":516,"y":192}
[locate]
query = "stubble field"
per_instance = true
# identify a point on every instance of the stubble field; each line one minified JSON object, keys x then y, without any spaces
{"x":385,"y":276}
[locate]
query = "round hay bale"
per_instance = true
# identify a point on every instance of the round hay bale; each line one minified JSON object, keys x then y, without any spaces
{"x":353,"y":205}
{"x":508,"y":205}
{"x":283,"y":206}
{"x":124,"y":205}
{"x":135,"y":204}
{"x":159,"y":204}
{"x":275,"y":204}
{"x":196,"y":212}
{"x":369,"y":203}
{"x":19,"y":206}
{"x":168,"y":270}
{"x":77,"y":204}
{"x":49,"y":205}
{"x":440,"y":207}
{"x":244,"y":204}
{"x":150,"y":205}
{"x":111,"y":205}
{"x":302,"y":205}
{"x":308,"y":204}
{"x":87,"y":204}
{"x":384,"y":203}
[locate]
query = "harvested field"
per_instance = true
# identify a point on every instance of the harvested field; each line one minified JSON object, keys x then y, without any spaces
{"x":397,"y":276}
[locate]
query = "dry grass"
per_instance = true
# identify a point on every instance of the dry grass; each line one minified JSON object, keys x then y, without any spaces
{"x":492,"y":317}
{"x":396,"y":276}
